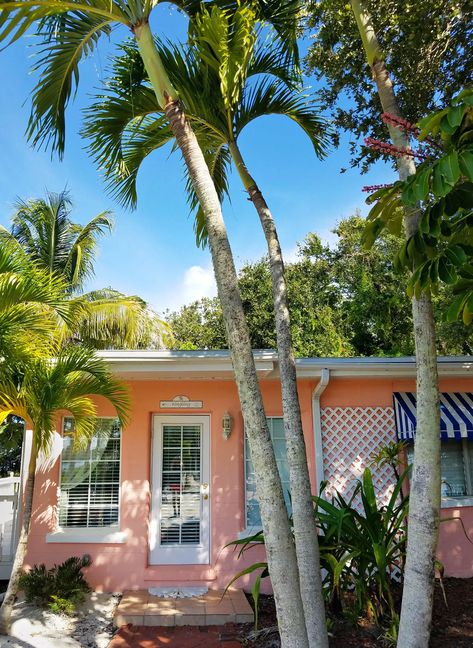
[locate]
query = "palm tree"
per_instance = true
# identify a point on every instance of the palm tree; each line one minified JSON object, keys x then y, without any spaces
{"x":424,"y":507}
{"x":31,"y":304}
{"x":105,"y":318}
{"x":125,"y":125}
{"x":44,"y":229}
{"x":70,"y":30}
{"x":45,"y":388}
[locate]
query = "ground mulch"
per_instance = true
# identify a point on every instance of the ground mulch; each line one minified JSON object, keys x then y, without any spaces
{"x":452,"y":626}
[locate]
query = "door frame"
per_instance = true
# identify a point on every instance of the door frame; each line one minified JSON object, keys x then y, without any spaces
{"x":162,"y":555}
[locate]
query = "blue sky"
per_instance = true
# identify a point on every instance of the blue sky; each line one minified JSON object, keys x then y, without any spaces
{"x":152,"y":250}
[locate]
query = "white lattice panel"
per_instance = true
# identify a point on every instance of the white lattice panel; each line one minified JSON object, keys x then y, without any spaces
{"x":349,"y":436}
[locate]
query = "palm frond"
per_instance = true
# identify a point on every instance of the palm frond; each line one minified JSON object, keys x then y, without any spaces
{"x":44,"y":230}
{"x":69,"y":382}
{"x":18,"y":16}
{"x":270,"y":58}
{"x":64,"y":44}
{"x":225,"y":40}
{"x":79,"y":262}
{"x":267,"y":97}
{"x":42,"y":227}
{"x":198,"y":87}
{"x":109,"y":319}
{"x":23,"y":281}
{"x":124,"y":125}
{"x":284,"y":16}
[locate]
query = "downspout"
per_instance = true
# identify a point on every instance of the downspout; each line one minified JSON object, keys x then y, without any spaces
{"x":317,"y":423}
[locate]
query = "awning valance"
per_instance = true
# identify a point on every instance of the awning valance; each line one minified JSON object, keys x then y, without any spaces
{"x":456,"y":415}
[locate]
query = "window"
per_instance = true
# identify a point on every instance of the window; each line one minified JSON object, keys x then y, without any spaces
{"x":90,"y":477}
{"x":276,"y":429}
{"x":456,"y":464}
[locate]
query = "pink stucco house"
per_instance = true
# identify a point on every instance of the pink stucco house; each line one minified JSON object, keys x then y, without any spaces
{"x":155,"y":503}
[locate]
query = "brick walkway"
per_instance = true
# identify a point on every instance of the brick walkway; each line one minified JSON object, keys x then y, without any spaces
{"x":178,"y":637}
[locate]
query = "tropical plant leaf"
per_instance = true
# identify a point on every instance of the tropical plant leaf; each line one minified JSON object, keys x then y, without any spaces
{"x":64,"y":43}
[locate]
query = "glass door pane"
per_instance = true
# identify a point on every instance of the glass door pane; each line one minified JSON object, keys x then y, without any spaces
{"x":180,"y":485}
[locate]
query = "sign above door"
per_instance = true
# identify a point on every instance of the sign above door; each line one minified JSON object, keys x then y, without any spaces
{"x":181,"y":402}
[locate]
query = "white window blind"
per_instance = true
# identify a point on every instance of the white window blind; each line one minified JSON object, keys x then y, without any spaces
{"x":456,"y":459}
{"x":90,"y":477}
{"x":276,"y":429}
{"x":180,"y":483}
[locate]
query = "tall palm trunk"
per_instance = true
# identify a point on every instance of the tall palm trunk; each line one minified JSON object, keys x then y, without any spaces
{"x":279,"y":543}
{"x":305,"y":531}
{"x":424,"y":507}
{"x":12,"y":589}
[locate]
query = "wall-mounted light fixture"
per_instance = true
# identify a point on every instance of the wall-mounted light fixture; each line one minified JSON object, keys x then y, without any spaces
{"x":227,"y":424}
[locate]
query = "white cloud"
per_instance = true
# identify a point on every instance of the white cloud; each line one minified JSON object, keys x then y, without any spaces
{"x":198,"y":282}
{"x":291,"y":254}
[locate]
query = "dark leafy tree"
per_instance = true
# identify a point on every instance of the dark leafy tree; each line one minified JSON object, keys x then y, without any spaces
{"x":426,"y":45}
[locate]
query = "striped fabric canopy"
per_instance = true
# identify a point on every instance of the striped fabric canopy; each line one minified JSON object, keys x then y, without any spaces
{"x":456,"y":415}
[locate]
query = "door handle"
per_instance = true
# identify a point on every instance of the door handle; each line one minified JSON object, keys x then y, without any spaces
{"x":204,"y":489}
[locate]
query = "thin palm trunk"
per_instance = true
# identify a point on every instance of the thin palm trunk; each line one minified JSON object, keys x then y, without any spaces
{"x":424,"y":503}
{"x":279,"y":543}
{"x":305,"y":531}
{"x":12,"y":589}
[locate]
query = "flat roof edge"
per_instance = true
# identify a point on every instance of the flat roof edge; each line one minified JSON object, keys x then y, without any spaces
{"x":140,"y":361}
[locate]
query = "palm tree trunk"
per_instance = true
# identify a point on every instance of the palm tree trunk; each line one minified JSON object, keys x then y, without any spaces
{"x":305,"y":530}
{"x":12,"y":589}
{"x":424,"y":501}
{"x":278,"y":538}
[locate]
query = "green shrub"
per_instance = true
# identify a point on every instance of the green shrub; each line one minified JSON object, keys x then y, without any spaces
{"x":60,"y":588}
{"x":361,"y":553}
{"x":38,"y":584}
{"x":61,"y":605}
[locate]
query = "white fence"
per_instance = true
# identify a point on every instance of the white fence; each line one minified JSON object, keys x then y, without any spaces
{"x":9,"y":520}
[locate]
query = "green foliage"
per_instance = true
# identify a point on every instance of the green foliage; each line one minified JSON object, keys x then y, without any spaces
{"x":425,"y":45}
{"x":360,"y":551}
{"x":60,"y":605}
{"x":11,"y":438}
{"x":31,"y":305}
{"x":46,"y":232}
{"x":225,"y":41}
{"x":344,"y":300}
{"x":226,"y":78}
{"x":260,"y":569}
{"x":60,"y":588}
{"x":46,"y":388}
{"x":197,"y":326}
{"x":390,"y":455}
{"x":51,"y":257}
{"x":441,"y":250}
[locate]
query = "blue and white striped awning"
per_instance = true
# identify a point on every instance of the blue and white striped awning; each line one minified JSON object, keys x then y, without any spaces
{"x":456,"y":415}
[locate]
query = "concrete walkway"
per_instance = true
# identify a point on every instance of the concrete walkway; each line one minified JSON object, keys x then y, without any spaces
{"x":139,"y":608}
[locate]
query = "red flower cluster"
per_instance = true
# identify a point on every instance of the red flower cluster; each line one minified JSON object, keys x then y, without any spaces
{"x":403,"y":124}
{"x":393,"y":151}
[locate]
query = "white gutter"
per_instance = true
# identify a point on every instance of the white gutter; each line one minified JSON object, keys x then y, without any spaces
{"x":317,"y":423}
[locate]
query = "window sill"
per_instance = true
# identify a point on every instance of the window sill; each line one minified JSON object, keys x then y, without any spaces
{"x":456,"y":502}
{"x":248,"y":532}
{"x":106,"y":535}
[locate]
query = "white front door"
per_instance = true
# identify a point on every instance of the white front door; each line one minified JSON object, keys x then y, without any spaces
{"x":180,"y":511}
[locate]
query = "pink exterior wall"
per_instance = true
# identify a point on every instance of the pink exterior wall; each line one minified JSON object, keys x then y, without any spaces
{"x":125,"y":566}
